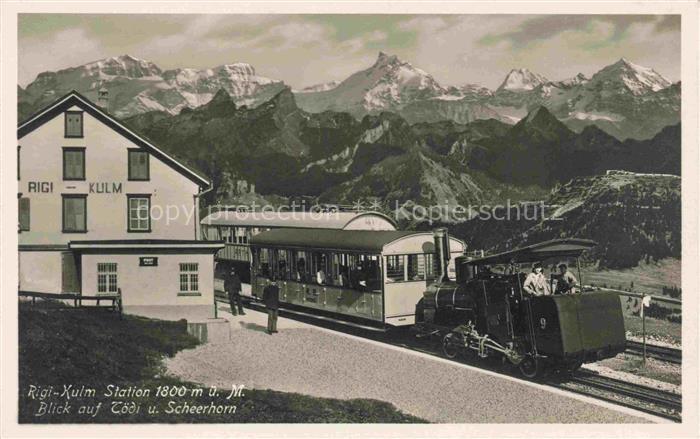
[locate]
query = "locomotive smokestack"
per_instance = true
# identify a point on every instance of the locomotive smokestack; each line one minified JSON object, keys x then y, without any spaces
{"x":442,"y":252}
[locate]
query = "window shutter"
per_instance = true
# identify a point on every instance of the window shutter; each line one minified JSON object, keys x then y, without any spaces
{"x":24,"y":214}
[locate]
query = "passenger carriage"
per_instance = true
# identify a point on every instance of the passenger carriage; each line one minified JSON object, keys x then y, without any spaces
{"x":236,"y":228}
{"x":365,"y":277}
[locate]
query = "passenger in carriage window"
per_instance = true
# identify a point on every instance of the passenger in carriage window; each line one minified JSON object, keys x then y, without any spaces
{"x":357,"y":278}
{"x":301,"y":270}
{"x":320,"y":277}
{"x":283,"y":272}
{"x":343,"y":276}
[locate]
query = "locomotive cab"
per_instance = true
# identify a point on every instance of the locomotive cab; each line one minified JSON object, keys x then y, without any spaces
{"x":489,"y":311}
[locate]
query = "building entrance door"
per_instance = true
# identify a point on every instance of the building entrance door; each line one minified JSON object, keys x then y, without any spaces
{"x":70,"y":266}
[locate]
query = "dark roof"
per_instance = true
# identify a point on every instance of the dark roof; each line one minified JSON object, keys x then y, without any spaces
{"x":74,"y":98}
{"x":144,"y":243}
{"x":556,"y":248}
{"x":350,"y":240}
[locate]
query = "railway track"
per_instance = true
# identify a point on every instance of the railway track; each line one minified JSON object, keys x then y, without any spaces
{"x":663,"y":353}
{"x":645,"y":399}
{"x":657,"y":402}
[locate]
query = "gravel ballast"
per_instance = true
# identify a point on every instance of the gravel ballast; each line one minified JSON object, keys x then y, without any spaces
{"x":308,"y":360}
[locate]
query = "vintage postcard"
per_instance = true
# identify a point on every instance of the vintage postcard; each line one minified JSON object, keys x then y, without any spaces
{"x":350,"y":219}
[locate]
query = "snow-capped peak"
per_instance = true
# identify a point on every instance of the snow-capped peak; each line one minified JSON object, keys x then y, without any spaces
{"x":638,"y":79}
{"x":122,"y":65}
{"x":239,"y":68}
{"x":522,"y":79}
{"x":576,"y":80}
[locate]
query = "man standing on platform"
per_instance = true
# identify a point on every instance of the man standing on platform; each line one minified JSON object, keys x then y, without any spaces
{"x":232,"y":285}
{"x":271,"y":297}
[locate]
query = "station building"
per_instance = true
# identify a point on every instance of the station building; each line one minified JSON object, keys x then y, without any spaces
{"x":101,"y":210}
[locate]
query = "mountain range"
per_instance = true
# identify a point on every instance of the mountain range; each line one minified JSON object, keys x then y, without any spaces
{"x":623,"y":99}
{"x":335,"y":157}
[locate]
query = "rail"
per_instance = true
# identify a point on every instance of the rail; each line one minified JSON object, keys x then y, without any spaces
{"x":636,"y":396}
{"x":78,"y":299}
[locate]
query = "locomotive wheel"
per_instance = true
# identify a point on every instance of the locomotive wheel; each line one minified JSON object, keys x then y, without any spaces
{"x":530,"y":367}
{"x":451,"y":344}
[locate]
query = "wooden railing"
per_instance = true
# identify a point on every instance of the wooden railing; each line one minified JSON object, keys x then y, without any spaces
{"x":115,"y":300}
{"x":633,"y":294}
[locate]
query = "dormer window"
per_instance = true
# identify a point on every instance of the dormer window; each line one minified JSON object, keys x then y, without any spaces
{"x":74,"y":124}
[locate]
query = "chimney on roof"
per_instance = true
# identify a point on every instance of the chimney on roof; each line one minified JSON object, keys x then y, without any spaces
{"x":103,"y":98}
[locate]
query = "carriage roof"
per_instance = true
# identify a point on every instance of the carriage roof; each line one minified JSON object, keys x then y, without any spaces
{"x":555,"y":248}
{"x":275,"y":219}
{"x":349,"y":240}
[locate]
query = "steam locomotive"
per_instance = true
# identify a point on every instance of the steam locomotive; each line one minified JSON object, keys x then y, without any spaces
{"x":488,"y":313}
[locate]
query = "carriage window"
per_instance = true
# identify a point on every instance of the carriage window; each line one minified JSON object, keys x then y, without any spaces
{"x":430,"y":266}
{"x":374,"y":275}
{"x":265,"y":262}
{"x":283,"y":266}
{"x":340,"y":269}
{"x":226,"y":235}
{"x":395,"y":268}
{"x":241,"y":236}
{"x":416,"y":267}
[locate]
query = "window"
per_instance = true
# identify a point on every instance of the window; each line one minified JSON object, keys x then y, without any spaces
{"x":74,"y":124}
{"x":139,"y":207}
{"x":74,"y":213}
{"x":226,"y":234}
{"x":394,"y":267}
{"x":138,"y":165}
{"x":74,"y":163}
{"x":107,"y":277}
{"x":241,"y":235}
{"x":24,"y":217}
{"x":189,"y":277}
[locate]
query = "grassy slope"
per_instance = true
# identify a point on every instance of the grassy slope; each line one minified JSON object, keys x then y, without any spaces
{"x":648,"y":278}
{"x":95,"y":349}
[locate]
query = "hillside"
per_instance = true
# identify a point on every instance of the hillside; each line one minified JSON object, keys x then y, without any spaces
{"x":633,"y":217}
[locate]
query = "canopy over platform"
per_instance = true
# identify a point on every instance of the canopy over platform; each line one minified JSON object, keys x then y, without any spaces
{"x":555,"y":248}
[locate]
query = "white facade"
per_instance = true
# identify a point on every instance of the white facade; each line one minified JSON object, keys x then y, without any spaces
{"x":164,"y":209}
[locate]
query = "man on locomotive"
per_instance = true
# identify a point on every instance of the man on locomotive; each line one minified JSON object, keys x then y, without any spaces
{"x":566,"y":281}
{"x":536,"y":282}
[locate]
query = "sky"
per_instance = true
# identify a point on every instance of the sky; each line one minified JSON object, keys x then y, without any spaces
{"x":304,"y":50}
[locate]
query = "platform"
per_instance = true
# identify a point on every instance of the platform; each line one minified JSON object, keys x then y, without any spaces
{"x":320,"y":362}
